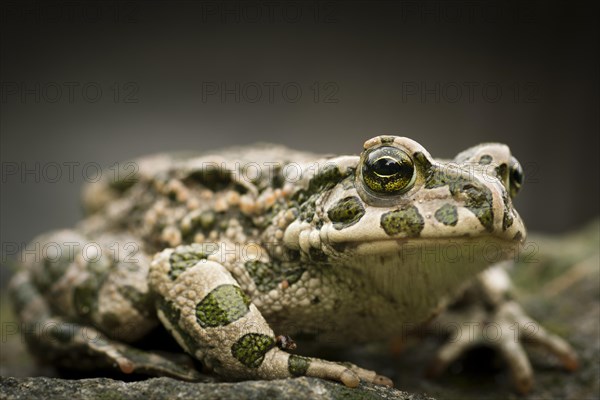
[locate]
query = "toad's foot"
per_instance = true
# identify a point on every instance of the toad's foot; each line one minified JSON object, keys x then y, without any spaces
{"x":504,"y":329}
{"x":370,"y":376}
{"x":348,"y":374}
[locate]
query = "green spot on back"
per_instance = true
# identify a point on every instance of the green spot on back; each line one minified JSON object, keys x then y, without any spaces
{"x":406,"y":220}
{"x":447,"y":215}
{"x":267,"y":276}
{"x":346,"y":212}
{"x":325,"y":179}
{"x":298,"y":365}
{"x":250,"y":350}
{"x":185,"y":257}
{"x":307,"y":208}
{"x":222,"y":306}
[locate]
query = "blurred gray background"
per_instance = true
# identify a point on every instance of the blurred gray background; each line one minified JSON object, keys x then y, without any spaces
{"x":94,"y":83}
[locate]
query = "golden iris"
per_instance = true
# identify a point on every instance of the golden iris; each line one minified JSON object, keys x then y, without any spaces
{"x":388,"y":170}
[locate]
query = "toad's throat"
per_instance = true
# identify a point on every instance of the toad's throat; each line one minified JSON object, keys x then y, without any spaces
{"x":424,"y":274}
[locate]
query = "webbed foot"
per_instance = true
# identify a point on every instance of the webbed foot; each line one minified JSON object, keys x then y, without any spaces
{"x":504,"y":329}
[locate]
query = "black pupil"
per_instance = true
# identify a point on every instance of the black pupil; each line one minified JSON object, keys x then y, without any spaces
{"x":386,"y":166}
{"x":517,"y":175}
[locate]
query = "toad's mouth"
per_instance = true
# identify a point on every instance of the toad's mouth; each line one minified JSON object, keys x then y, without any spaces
{"x":464,"y":249}
{"x":371,"y":240}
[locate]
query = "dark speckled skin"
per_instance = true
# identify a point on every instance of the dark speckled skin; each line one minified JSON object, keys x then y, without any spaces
{"x":251,"y":348}
{"x":223,"y":305}
{"x":346,"y":212}
{"x":447,"y":214}
{"x":406,"y":221}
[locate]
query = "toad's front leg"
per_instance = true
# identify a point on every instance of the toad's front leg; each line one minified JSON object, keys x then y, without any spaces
{"x":212,"y":319}
{"x":499,"y":322}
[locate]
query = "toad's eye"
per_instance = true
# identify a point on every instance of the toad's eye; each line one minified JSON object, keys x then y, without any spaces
{"x":388,"y":170}
{"x":516,"y":177}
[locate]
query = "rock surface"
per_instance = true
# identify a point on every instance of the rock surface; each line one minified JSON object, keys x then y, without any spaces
{"x":167,"y":388}
{"x":557,"y":281}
